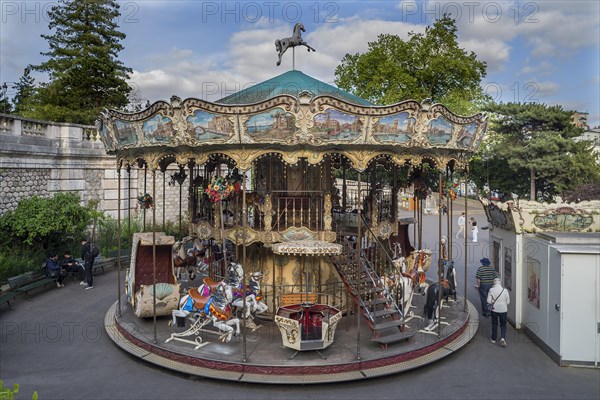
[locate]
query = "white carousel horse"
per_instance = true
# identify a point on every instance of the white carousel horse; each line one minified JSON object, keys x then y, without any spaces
{"x":255,"y":293}
{"x":281,"y":45}
{"x":216,"y":309}
{"x":254,"y":303}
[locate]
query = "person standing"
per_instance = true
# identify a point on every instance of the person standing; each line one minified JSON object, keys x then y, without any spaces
{"x":500,"y":298}
{"x":474,"y":230}
{"x":88,"y":255}
{"x":461,"y":225}
{"x":485,"y":279}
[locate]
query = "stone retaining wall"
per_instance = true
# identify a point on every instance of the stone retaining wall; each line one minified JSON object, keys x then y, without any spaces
{"x":43,"y":158}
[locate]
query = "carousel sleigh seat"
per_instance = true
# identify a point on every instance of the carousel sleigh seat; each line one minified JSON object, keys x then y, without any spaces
{"x":167,"y":299}
{"x":152,"y":267}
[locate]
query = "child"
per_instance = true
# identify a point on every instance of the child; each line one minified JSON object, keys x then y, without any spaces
{"x":474,"y":230}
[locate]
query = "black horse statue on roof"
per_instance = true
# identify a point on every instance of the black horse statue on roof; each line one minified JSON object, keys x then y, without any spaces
{"x":281,"y":45}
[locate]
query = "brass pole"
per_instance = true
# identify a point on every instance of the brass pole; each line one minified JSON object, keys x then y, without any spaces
{"x":129,"y":208}
{"x":164,"y":170}
{"x":244,"y":226}
{"x":154,"y":252}
{"x":440,"y":262}
{"x":145,"y":191}
{"x":466,"y":219}
{"x":358,"y":269}
{"x":118,"y":240}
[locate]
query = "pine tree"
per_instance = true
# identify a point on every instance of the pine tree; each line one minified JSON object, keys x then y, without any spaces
{"x":85,"y":74}
{"x":25,"y":91}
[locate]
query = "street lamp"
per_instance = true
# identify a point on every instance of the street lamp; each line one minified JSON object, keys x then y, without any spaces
{"x":3,"y":96}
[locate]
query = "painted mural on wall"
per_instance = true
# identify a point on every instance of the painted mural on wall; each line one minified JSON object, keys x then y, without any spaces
{"x":563,"y":219}
{"x":205,"y":126}
{"x":533,"y":282}
{"x":273,"y":124}
{"x":125,"y":133}
{"x":466,"y":135}
{"x":508,"y":269}
{"x":334,"y":125}
{"x":397,"y":128}
{"x":439,"y":131}
{"x":158,"y":129}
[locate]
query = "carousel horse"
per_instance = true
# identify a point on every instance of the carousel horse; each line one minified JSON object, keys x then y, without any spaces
{"x":432,"y":305}
{"x":255,"y":294}
{"x":417,"y":265}
{"x":281,"y":45}
{"x":191,"y":261}
{"x":215,"y":308}
{"x":398,"y":281}
{"x":451,"y":278}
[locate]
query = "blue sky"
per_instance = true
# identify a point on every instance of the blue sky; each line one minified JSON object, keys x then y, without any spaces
{"x":544,"y":51}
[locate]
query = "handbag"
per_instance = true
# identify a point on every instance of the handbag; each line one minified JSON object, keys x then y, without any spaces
{"x":490,"y":306}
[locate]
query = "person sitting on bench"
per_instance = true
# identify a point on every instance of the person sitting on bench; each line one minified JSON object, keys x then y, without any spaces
{"x":53,"y":270}
{"x":69,"y":264}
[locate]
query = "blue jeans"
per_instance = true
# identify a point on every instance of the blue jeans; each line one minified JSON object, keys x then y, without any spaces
{"x":502,"y":318}
{"x":484,"y":288}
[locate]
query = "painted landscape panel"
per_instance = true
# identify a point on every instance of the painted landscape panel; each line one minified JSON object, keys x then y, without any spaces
{"x":125,"y":133}
{"x":466,"y":134}
{"x":272,"y":124}
{"x":334,"y":125}
{"x":205,"y":126}
{"x":397,"y":128}
{"x":158,"y":129}
{"x":439,"y":131}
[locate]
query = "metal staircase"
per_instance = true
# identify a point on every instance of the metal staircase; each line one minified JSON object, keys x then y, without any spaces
{"x":377,"y":305}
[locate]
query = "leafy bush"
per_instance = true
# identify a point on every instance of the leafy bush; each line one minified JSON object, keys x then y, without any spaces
{"x":45,"y":222}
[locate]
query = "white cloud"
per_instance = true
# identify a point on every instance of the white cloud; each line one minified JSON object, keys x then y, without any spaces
{"x":494,"y":52}
{"x":541,"y":69}
{"x":543,"y":90}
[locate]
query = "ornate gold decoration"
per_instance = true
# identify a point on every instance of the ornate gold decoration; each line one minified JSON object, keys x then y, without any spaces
{"x":327,"y":208}
{"x":308,"y":248}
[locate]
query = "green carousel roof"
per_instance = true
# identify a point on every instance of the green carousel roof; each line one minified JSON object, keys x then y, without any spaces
{"x":291,"y":83}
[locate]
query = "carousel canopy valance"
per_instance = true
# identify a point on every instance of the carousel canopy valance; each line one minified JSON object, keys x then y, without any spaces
{"x":292,"y":113}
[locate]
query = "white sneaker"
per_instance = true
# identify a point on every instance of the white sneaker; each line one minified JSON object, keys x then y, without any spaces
{"x":57,"y":284}
{"x":493,"y":341}
{"x":502,"y":342}
{"x":82,"y":283}
{"x":89,"y":287}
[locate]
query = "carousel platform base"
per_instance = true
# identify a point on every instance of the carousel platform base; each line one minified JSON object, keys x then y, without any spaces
{"x":260,"y":357}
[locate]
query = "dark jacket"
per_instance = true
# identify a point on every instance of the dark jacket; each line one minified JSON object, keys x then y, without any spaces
{"x":52,"y":265}
{"x":86,"y":253}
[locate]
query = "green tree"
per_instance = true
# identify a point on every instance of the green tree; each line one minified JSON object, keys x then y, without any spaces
{"x":530,"y":150}
{"x":45,"y":223}
{"x":24,"y":96}
{"x":85,"y":75}
{"x":429,"y":65}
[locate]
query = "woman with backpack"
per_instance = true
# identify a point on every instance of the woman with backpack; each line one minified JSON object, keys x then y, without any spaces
{"x":89,"y":252}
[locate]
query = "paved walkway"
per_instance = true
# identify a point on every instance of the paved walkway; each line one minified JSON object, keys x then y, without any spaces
{"x":55,"y":343}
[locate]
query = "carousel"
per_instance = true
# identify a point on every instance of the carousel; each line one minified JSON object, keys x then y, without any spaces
{"x":296,"y":240}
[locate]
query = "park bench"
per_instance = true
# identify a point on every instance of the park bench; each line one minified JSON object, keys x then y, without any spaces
{"x":28,"y":281}
{"x":7,"y":296}
{"x":297,"y":298}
